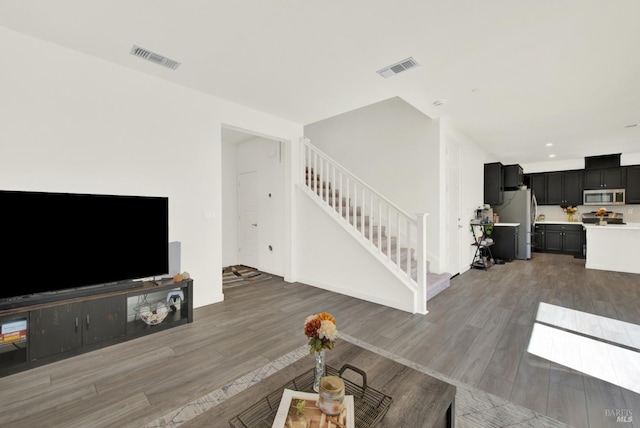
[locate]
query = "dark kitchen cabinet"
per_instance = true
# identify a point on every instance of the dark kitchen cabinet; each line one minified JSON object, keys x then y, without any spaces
{"x":538,"y":185}
{"x":513,"y":177}
{"x":633,"y":185}
{"x":611,"y":178}
{"x":505,"y":239}
{"x":64,"y":328}
{"x":561,"y":238}
{"x":573,"y":188}
{"x":493,"y":183}
{"x":557,"y":188}
{"x":539,"y":238}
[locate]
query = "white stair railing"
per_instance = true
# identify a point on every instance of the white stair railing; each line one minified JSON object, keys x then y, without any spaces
{"x":396,"y":237}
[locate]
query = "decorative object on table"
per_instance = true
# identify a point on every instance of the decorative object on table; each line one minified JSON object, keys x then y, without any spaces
{"x":154,"y":314}
{"x":570,"y":211}
{"x":367,"y":405}
{"x":331,"y":395}
{"x":601,"y":213}
{"x":174,"y":299}
{"x":322,"y":333}
{"x":300,"y":410}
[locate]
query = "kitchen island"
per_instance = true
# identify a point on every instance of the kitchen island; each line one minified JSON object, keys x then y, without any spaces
{"x":613,"y":247}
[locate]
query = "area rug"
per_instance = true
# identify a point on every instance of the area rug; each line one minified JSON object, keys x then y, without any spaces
{"x":233,"y":276}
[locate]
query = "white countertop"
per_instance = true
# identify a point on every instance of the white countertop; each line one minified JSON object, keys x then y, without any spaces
{"x":628,"y":226}
{"x":559,"y":222}
{"x":507,"y":224}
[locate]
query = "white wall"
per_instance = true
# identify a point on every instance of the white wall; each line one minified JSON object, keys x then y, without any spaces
{"x":563,"y":165}
{"x":472,"y":160}
{"x":70,"y":122}
{"x":230,"y":204}
{"x":329,"y":257}
{"x":394,"y":148}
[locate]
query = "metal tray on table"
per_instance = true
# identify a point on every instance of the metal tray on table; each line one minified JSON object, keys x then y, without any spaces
{"x":370,"y":405}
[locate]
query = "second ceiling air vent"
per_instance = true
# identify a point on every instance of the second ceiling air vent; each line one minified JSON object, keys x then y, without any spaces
{"x":154,"y":57}
{"x":398,"y":67}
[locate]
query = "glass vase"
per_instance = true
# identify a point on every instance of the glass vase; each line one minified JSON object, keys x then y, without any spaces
{"x":570,"y":217}
{"x":319,"y":370}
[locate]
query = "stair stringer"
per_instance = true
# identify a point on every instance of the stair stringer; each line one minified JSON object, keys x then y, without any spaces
{"x":408,"y":285}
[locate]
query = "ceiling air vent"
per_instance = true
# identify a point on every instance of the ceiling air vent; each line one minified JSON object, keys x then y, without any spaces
{"x":154,"y":57}
{"x":398,"y":67}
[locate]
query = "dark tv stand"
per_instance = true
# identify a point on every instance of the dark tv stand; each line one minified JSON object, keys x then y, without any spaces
{"x":52,"y":331}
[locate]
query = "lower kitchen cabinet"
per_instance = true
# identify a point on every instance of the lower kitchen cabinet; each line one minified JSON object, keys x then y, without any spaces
{"x":559,"y":238}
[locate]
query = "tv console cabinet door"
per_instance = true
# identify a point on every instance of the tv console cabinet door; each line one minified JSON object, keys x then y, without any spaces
{"x":104,"y":319}
{"x":55,"y":330}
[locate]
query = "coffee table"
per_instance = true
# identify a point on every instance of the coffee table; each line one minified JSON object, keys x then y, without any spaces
{"x":419,"y":400}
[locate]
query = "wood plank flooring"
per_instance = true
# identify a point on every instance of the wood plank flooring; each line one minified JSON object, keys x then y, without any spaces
{"x":476,"y":331}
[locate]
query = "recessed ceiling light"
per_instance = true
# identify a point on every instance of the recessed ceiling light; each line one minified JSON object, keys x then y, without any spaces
{"x":552,"y":156}
{"x":549,"y":144}
{"x":633,"y":125}
{"x":438,"y":103}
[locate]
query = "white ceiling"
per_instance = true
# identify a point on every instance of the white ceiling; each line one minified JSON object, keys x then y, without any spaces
{"x":515,"y":74}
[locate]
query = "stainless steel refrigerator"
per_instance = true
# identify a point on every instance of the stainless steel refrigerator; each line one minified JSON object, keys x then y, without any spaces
{"x":519,"y":206}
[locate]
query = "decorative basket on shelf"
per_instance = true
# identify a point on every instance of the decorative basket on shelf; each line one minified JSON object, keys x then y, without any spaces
{"x":152,"y":314}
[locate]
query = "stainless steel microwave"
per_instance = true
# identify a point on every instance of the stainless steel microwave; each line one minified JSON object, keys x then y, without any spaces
{"x":604,"y":197}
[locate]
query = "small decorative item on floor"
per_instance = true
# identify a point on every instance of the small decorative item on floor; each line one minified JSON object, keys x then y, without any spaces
{"x":322,"y":333}
{"x":570,"y":210}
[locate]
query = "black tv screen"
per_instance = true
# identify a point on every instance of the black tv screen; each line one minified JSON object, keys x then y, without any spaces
{"x":57,"y":241}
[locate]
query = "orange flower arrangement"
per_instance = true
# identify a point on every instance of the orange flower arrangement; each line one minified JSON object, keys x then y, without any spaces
{"x":321,"y":331}
{"x":601,"y":212}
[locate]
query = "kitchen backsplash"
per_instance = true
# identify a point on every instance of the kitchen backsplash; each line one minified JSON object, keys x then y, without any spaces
{"x":631,"y":213}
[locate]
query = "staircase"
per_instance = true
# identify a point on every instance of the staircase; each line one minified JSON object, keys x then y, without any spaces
{"x":383,"y":228}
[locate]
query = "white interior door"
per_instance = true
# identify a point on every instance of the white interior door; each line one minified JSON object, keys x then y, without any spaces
{"x":454,"y":225}
{"x":248,"y":215}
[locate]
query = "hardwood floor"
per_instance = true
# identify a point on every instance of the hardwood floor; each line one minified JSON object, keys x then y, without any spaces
{"x":477,"y":331}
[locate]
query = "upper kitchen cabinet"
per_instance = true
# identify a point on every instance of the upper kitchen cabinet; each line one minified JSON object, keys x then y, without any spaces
{"x":611,"y":178}
{"x":633,"y":185}
{"x":538,"y":186}
{"x":573,"y":188}
{"x":557,"y":188}
{"x":493,"y":183}
{"x":513,"y":177}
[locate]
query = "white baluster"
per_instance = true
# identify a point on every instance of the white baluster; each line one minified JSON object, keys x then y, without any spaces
{"x":398,"y":261}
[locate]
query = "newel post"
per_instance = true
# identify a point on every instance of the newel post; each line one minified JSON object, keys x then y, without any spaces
{"x":420,"y":304}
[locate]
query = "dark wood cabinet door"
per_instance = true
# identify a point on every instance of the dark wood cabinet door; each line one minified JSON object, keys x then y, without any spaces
{"x":555,"y":188}
{"x":613,"y":178}
{"x":553,"y":240}
{"x":573,"y":188}
{"x":493,"y":183}
{"x":538,"y":238}
{"x":104,"y":319}
{"x":592,"y":179}
{"x":572,"y":242}
{"x":633,"y":185}
{"x":539,"y":186}
{"x":55,"y":330}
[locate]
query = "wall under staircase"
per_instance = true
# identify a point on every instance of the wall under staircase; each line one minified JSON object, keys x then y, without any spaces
{"x":354,"y":249}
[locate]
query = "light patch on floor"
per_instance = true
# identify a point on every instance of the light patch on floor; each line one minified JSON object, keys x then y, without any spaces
{"x":594,"y":345}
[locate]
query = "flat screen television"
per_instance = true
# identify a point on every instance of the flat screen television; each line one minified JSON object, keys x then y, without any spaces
{"x":58,"y":242}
